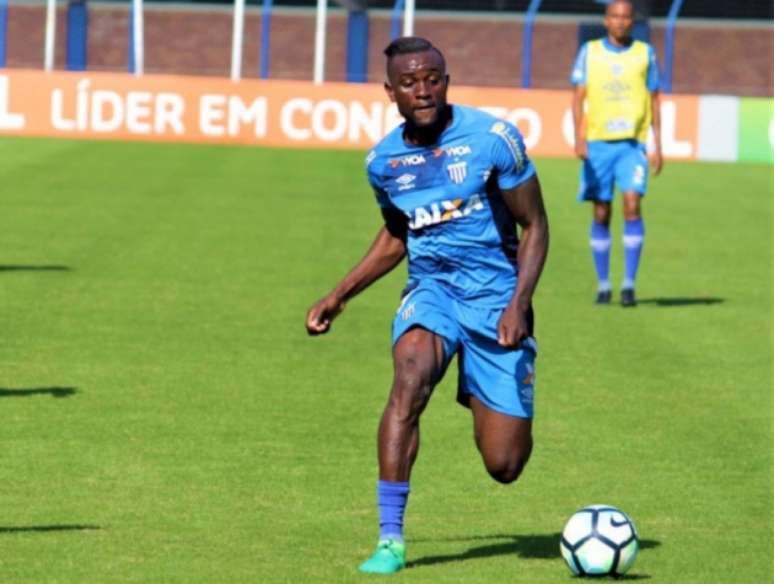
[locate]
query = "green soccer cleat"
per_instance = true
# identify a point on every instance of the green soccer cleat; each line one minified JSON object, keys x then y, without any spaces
{"x":389,"y":557}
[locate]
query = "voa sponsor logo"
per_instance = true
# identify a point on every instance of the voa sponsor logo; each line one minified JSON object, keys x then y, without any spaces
{"x":413,"y":160}
{"x":444,"y":211}
{"x":453,"y":151}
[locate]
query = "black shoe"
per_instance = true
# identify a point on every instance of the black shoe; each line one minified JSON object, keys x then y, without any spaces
{"x":627,"y":297}
{"x":604,"y":297}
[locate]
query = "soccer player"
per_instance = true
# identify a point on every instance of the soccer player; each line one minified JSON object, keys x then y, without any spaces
{"x":452,"y":183}
{"x":617,"y":78}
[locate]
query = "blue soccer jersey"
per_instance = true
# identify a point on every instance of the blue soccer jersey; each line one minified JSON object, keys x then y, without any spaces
{"x":461,"y":234}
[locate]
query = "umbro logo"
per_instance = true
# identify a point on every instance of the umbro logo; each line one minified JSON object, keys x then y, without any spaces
{"x":406,"y":181}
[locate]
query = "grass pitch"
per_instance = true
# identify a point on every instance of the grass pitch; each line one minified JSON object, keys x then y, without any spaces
{"x":166,"y":418}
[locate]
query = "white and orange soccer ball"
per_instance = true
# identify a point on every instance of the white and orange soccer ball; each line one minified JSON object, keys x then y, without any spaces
{"x":599,"y":540}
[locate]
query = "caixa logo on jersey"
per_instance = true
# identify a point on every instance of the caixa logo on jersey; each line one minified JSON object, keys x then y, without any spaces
{"x":444,"y":211}
{"x":411,"y":160}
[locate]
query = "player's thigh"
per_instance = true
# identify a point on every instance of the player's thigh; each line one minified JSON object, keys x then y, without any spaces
{"x":597,"y":173}
{"x":418,"y":358}
{"x":499,"y":434}
{"x":631,"y":169}
{"x":424,"y":341}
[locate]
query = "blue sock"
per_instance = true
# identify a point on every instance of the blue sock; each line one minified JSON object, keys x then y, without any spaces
{"x":392,"y":503}
{"x":600,"y":249}
{"x":634,"y":233}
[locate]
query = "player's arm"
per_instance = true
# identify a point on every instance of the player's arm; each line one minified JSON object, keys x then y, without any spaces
{"x":525,"y":202}
{"x":657,"y":158}
{"x":578,"y":97}
{"x":578,"y":80}
{"x":386,"y":252}
{"x":653,"y":85}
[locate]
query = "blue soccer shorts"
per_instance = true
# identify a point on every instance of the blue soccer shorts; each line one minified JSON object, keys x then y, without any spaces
{"x":502,"y":379}
{"x":622,"y":163}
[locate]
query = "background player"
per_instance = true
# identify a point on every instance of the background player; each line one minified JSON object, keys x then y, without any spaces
{"x":617,"y":78}
{"x":452,"y":183}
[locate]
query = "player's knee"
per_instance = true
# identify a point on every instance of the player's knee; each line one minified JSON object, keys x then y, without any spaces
{"x":410,"y":391}
{"x":602,"y":213}
{"x":506,"y":466}
{"x":507,"y":470}
{"x":631,"y":208}
{"x":412,"y":379}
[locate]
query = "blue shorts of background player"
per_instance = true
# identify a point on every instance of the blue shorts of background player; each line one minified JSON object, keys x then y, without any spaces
{"x":621,"y":163}
{"x":501,"y":378}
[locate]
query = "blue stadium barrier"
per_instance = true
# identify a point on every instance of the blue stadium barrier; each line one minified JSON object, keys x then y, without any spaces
{"x":526,"y":51}
{"x":130,"y":60}
{"x":265,"y":38}
{"x":669,"y":45}
{"x":396,"y":26}
{"x":3,"y":30}
{"x":357,"y":46}
{"x":77,"y":35}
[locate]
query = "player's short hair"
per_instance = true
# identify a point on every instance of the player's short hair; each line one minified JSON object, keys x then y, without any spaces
{"x":611,"y":2}
{"x":409,"y":45}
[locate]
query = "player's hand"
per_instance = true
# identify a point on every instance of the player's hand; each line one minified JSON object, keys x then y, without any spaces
{"x":512,"y":327}
{"x":321,"y":315}
{"x":657,"y":162}
{"x":581,"y":148}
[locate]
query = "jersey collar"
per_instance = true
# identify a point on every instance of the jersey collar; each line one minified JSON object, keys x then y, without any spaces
{"x":611,"y":47}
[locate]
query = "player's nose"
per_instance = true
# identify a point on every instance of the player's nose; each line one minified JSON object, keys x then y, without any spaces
{"x":422,"y":89}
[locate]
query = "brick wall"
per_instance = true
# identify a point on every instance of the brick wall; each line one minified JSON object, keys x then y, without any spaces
{"x":481,"y":50}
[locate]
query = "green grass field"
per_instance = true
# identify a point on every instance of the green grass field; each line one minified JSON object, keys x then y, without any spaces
{"x":166,"y":418}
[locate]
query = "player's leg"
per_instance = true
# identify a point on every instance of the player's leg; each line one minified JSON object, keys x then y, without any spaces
{"x":504,"y":441}
{"x":599,"y":239}
{"x":498,"y":384}
{"x":420,"y":357}
{"x":631,"y":177}
{"x":597,"y":182}
{"x":418,"y":365}
{"x":633,"y":238}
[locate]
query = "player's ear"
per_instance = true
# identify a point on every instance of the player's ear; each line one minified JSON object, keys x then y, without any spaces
{"x":390,"y":92}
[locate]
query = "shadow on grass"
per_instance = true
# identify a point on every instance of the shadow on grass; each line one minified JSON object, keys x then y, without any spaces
{"x":52,"y":391}
{"x":534,"y":546}
{"x":23,"y":268}
{"x":48,"y":528}
{"x":667,"y":302}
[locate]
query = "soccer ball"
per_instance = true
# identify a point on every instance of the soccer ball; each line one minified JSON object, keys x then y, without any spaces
{"x":599,"y":540}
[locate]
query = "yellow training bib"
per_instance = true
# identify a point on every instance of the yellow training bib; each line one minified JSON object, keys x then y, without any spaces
{"x":617,"y":95}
